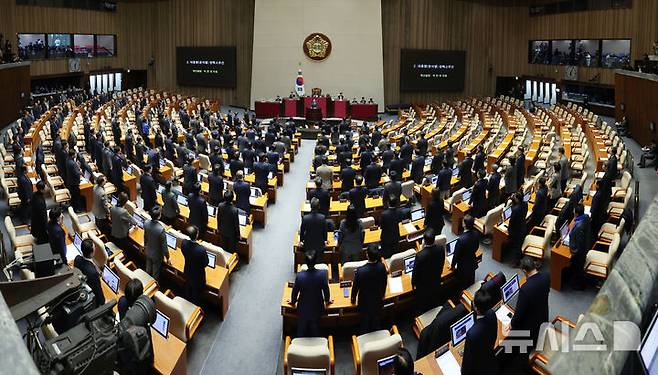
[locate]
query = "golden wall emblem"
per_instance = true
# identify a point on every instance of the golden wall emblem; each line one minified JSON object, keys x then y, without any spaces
{"x":317,"y":46}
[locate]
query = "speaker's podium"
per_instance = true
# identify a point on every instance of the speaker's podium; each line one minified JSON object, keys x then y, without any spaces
{"x":320,"y":103}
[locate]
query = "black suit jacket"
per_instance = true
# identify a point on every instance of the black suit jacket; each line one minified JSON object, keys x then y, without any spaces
{"x":387,"y":157}
{"x":372,"y":175}
{"x":148,"y":190}
{"x":406,"y":153}
{"x":261,"y":170}
{"x":478,"y":162}
{"x":24,"y":189}
{"x":434,"y":216}
{"x":189,"y":176}
{"x":517,"y":222}
{"x":347,"y":176}
{"x":311,"y":289}
{"x":72,"y":173}
{"x":93,"y":277}
{"x":234,"y":166}
{"x":196,"y":260}
{"x":228,"y":222}
{"x":426,"y":277}
{"x":540,"y":206}
{"x":493,"y":189}
{"x":198,"y":211}
{"x":388,"y":221}
{"x":520,"y":170}
{"x":532,"y":306}
{"x":393,"y":188}
{"x":39,"y":217}
{"x":417,"y":172}
{"x":358,"y":199}
{"x":215,"y":186}
{"x":465,"y":174}
{"x":479,"y":356}
{"x":421,"y":146}
{"x":479,"y":198}
{"x":324,"y":198}
{"x":369,"y":287}
{"x":313,"y":231}
{"x":397,"y":165}
{"x":242,"y":192}
{"x":464,"y":260}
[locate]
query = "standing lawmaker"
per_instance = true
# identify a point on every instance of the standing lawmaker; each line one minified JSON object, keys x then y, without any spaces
{"x":369,"y":289}
{"x":196,"y":260}
{"x":311,"y":289}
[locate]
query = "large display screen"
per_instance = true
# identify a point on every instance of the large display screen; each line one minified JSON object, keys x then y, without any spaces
{"x":32,"y":46}
{"x":105,"y":45}
{"x":540,"y":52}
{"x":432,"y":70}
{"x":588,"y":52}
{"x":616,"y":53}
{"x":83,"y":45}
{"x":59,"y":45}
{"x":206,"y":66}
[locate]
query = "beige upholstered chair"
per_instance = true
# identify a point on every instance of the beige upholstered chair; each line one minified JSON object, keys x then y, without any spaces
{"x":367,"y":222}
{"x":440,"y":240}
{"x":347,"y":270}
{"x":599,"y":262}
{"x":396,"y":262}
{"x":537,"y":245}
{"x":223,"y":257}
{"x":82,"y":227}
{"x":408,"y":189}
{"x":204,"y":162}
{"x":486,"y":223}
{"x":367,"y":349}
{"x":321,"y":266}
{"x":425,"y":319}
{"x":20,"y":244}
{"x":608,"y":230}
{"x":308,"y":353}
{"x":617,"y":208}
{"x":554,"y":334}
{"x":184,"y":316}
{"x":456,"y":197}
{"x":128,"y":271}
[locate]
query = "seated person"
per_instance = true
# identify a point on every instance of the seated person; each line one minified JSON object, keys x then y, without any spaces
{"x":649,"y":153}
{"x":133,"y":290}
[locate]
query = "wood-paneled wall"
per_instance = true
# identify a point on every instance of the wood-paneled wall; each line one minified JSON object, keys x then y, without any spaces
{"x":131,"y":23}
{"x":639,"y":23}
{"x":489,"y":35}
{"x":15,"y":80}
{"x":640,"y":103}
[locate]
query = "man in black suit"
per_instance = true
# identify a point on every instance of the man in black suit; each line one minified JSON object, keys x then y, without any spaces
{"x":236,"y":164}
{"x":372,"y":175}
{"x":406,"y":151}
{"x":426,"y":276}
{"x":493,"y":188}
{"x":24,"y":193}
{"x":347,"y":176}
{"x":198,"y":209}
{"x":196,"y":261}
{"x":465,"y":173}
{"x":387,"y":157}
{"x":242,"y":191}
{"x":517,"y":225}
{"x":311,"y":289}
{"x":397,"y":165}
{"x":532,"y":306}
{"x":478,"y":161}
{"x":369,"y":288}
{"x":229,"y":223}
{"x":149,"y":189}
{"x":261,"y":171}
{"x":153,"y":158}
{"x":73,"y":182}
{"x":215,"y":185}
{"x":464,"y":260}
{"x":478,"y":200}
{"x":579,"y":242}
{"x":611,"y":165}
{"x":540,"y":205}
{"x":443,"y":181}
{"x":520,"y":168}
{"x":450,"y":155}
{"x":118,"y":163}
{"x":313,"y":230}
{"x":422,"y":145}
{"x":392,"y":188}
{"x":366,"y":158}
{"x":389,"y":221}
{"x":600,"y":202}
{"x":86,"y":265}
{"x":357,"y":196}
{"x":322,"y":195}
{"x":479,"y":355}
{"x":434,"y":212}
{"x":189,"y":175}
{"x":39,"y":222}
{"x":417,"y":168}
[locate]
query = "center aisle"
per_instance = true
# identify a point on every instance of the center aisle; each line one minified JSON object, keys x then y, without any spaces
{"x":249,"y":340}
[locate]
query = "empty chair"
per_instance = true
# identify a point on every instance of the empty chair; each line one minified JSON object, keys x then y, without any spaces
{"x":308,"y":353}
{"x":367,"y":222}
{"x":82,"y":227}
{"x":184,"y":316}
{"x":486,"y":223}
{"x":624,"y":183}
{"x":608,"y":230}
{"x":12,"y":197}
{"x":456,"y":197}
{"x":20,"y":244}
{"x":537,"y":243}
{"x":369,"y":348}
{"x":128,"y":271}
{"x":557,"y":336}
{"x":222,"y":257}
{"x":99,"y":256}
{"x":408,"y":189}
{"x":204,"y":162}
{"x":347,"y":270}
{"x":321,"y":266}
{"x":617,"y":208}
{"x":440,"y":240}
{"x":598,"y":261}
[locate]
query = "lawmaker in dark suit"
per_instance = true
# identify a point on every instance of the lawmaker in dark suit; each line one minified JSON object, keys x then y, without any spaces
{"x":579,"y":242}
{"x":190,"y":176}
{"x":73,"y":182}
{"x":39,"y":222}
{"x":56,"y":234}
{"x":464,"y":260}
{"x":229,"y":223}
{"x":443,"y":181}
{"x":389,"y":221}
{"x":465,"y":173}
{"x":153,"y":159}
{"x":478,"y":200}
{"x":426,"y":276}
{"x":196,"y":260}
{"x":368,"y":289}
{"x":517,"y":225}
{"x":357,"y":196}
{"x":242,"y":191}
{"x":479,"y":159}
{"x":392,"y":188}
{"x":372,"y":175}
{"x":417,"y":169}
{"x":493,"y":188}
{"x":261,"y":171}
{"x":540,"y":205}
{"x":88,"y":268}
{"x":479,"y":355}
{"x":532,"y":305}
{"x":198,"y":209}
{"x":155,"y":244}
{"x":309,"y":294}
{"x":313,"y":230}
{"x":520,"y":168}
{"x":322,"y":195}
{"x":347,"y":176}
{"x":215,"y":186}
{"x":434,"y":213}
{"x":24,"y":193}
{"x":149,"y":190}
{"x":118,"y":163}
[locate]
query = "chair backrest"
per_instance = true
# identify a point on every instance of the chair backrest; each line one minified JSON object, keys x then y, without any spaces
{"x":130,"y":207}
{"x":349,"y":269}
{"x":173,"y":308}
{"x":408,"y":189}
{"x":309,"y":352}
{"x":124,"y":273}
{"x":614,"y":245}
{"x":397,"y":260}
{"x":375,"y":350}
{"x":221,"y":256}
{"x":625,"y":180}
{"x":99,"y":256}
{"x":74,"y":220}
{"x":367,"y":222}
{"x":204,"y":162}
{"x":493,"y":217}
{"x":440,"y":240}
{"x":10,"y":230}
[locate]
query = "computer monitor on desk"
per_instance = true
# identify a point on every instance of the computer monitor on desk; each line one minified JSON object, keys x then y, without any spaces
{"x":139,"y":220}
{"x":455,"y":171}
{"x":564,"y":234}
{"x":467,"y":195}
{"x":129,"y":170}
{"x":111,"y":279}
{"x":242,"y":219}
{"x":526,"y":196}
{"x":459,"y":329}
{"x":507,"y":213}
{"x":255,"y":192}
{"x":181,"y":199}
{"x":161,"y":324}
{"x":450,"y":249}
{"x":171,"y":240}
{"x":648,"y":350}
{"x":114,"y":200}
{"x":409,"y":264}
{"x":385,"y":366}
{"x":417,"y":214}
{"x":212,"y":260}
{"x":510,"y":288}
{"x":212,"y":210}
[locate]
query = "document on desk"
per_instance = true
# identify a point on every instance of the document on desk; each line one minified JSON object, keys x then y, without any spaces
{"x":448,"y":364}
{"x":395,"y":285}
{"x":504,"y":315}
{"x":588,"y":209}
{"x":409,"y":227}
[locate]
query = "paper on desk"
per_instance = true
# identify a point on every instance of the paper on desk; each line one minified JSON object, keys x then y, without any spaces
{"x":448,"y":364}
{"x":588,"y":209}
{"x":409,"y":227}
{"x":502,"y":315}
{"x":395,"y":285}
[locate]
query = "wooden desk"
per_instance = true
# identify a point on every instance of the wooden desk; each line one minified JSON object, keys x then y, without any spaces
{"x":560,"y":259}
{"x":459,"y":210}
{"x":130,"y":185}
{"x":86,"y":191}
